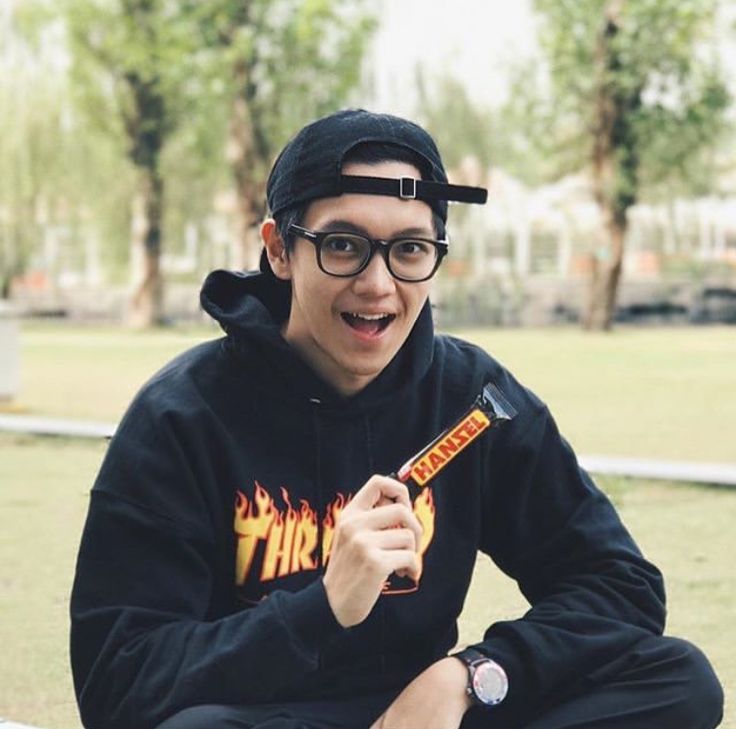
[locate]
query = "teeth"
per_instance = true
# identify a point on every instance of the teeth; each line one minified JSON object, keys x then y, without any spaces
{"x":369,"y":317}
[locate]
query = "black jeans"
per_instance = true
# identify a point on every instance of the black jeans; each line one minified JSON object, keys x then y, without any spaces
{"x":662,"y":683}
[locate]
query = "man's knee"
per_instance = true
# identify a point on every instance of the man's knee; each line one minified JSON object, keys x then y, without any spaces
{"x":219,"y":716}
{"x":700,"y":690}
{"x":208,"y":716}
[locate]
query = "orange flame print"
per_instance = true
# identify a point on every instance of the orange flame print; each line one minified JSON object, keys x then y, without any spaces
{"x":328,"y":524}
{"x":283,"y":541}
{"x":253,"y":520}
{"x":424,"y":510}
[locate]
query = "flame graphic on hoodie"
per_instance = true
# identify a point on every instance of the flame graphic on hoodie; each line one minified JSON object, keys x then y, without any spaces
{"x":289,"y":537}
{"x":329,"y":522}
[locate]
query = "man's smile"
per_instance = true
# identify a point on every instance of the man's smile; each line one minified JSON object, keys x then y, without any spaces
{"x":371,"y":324}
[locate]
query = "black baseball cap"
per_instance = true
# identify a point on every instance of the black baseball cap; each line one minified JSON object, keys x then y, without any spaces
{"x":310,"y":165}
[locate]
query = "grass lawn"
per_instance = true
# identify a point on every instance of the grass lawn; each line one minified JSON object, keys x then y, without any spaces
{"x":660,"y":393}
{"x":687,"y":530}
{"x":43,"y":500}
{"x":648,"y":393}
{"x":656,"y":393}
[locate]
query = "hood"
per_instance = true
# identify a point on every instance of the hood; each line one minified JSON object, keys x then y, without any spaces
{"x":251,"y":308}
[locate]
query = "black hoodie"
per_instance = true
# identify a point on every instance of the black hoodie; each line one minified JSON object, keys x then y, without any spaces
{"x":198,"y":578}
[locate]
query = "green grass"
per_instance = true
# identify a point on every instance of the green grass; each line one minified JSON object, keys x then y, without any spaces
{"x":93,"y":373}
{"x":663,"y":393}
{"x":649,"y":393}
{"x":686,"y":530}
{"x":43,"y":500}
{"x":656,"y":393}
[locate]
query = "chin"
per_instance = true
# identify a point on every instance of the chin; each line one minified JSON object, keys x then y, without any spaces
{"x":367,"y":369}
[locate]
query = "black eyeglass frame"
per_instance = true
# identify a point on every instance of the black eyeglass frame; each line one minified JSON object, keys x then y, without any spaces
{"x":382,"y":246}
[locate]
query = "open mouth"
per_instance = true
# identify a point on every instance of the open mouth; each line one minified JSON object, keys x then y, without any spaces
{"x":368,"y":323}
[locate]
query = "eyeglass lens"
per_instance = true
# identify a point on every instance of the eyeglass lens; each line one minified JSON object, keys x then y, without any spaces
{"x":345,"y":254}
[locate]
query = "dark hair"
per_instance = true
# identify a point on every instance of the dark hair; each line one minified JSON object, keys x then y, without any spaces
{"x":368,"y":153}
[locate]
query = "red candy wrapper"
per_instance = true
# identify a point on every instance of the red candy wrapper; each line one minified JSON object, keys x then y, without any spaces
{"x":489,"y":409}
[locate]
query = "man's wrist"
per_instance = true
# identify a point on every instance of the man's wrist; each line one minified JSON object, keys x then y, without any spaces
{"x":452,"y":676}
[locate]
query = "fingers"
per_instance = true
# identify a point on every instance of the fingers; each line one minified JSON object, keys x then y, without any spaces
{"x":379,"y":489}
{"x":395,"y":507}
{"x":376,"y":534}
{"x":391,"y":516}
{"x":404,"y":562}
{"x":395,"y":539}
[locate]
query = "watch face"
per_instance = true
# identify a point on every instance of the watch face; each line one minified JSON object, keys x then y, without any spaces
{"x":490,"y":683}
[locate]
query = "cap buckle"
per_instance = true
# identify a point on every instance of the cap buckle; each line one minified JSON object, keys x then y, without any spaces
{"x":407,"y":188}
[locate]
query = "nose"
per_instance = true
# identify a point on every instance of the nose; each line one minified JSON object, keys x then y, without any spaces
{"x":375,"y":279}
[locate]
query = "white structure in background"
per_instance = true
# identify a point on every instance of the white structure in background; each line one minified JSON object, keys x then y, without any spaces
{"x":9,"y":353}
{"x":526,"y":256}
{"x":522,"y":258}
{"x":553,"y":229}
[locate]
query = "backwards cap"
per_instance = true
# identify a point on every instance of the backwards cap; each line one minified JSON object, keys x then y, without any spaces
{"x":310,"y":166}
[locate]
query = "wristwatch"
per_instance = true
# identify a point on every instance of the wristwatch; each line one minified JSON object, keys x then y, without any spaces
{"x":487,"y":681}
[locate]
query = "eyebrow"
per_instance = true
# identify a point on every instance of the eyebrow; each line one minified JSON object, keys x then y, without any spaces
{"x":345,"y":226}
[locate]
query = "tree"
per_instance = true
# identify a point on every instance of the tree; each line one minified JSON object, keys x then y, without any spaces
{"x":283,"y":63}
{"x":26,"y":138}
{"x":635,"y":78}
{"x":131,"y":61}
{"x":149,"y":70}
{"x":55,"y":174}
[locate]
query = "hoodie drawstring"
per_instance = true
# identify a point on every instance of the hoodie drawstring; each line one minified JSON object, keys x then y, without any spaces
{"x":381,"y":607}
{"x":318,"y":500}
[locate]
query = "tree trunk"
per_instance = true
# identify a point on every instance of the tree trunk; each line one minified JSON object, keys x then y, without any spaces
{"x":242,"y":156}
{"x":605,"y":278}
{"x":146,"y":303}
{"x":615,"y":167}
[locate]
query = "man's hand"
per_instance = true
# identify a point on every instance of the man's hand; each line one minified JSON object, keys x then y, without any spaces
{"x":376,"y":534}
{"x":435,"y":699}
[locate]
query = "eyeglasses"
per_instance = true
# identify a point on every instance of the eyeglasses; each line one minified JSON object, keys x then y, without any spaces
{"x":347,"y":254}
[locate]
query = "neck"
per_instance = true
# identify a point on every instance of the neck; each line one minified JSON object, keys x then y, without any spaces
{"x":345,"y":383}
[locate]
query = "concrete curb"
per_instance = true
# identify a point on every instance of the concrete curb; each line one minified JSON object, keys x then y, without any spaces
{"x":719,"y":474}
{"x":56,"y":426}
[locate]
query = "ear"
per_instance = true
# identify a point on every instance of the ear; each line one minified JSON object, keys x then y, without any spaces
{"x":276,"y":251}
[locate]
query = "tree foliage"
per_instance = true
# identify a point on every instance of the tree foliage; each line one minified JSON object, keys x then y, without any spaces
{"x":513,"y":136}
{"x":155,"y":101}
{"x":638,"y":78}
{"x":129,"y":54}
{"x":25,"y":143}
{"x":661,"y":61}
{"x":132,"y":58}
{"x":275,"y":65}
{"x":54,"y":175}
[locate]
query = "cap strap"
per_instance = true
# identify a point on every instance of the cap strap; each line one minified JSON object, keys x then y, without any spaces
{"x":410,"y":188}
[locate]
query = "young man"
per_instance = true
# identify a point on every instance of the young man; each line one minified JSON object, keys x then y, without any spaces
{"x":246,"y":560}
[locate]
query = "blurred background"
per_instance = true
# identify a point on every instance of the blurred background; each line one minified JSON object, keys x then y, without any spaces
{"x":135,"y":141}
{"x":136,"y":135}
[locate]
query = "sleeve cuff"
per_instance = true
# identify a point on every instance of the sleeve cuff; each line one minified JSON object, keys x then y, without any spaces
{"x":311,"y":619}
{"x":503,"y":654}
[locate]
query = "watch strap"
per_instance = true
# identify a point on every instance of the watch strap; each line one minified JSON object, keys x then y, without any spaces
{"x":471,"y":656}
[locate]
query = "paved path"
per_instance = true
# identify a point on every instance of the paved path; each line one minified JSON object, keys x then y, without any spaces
{"x":56,"y":426}
{"x":722,"y":474}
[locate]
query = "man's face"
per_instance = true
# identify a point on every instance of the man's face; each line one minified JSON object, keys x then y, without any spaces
{"x":334,"y":322}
